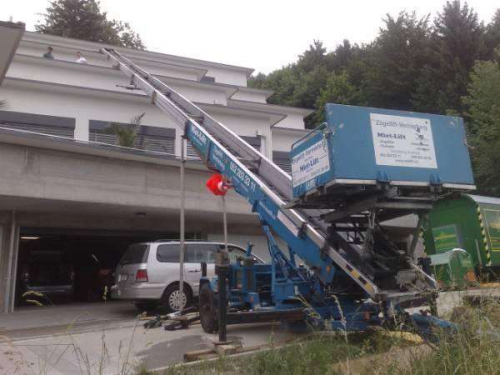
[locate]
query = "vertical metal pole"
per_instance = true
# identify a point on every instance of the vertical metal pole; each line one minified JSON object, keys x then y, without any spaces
{"x":222,"y":276}
{"x":182,"y":223}
{"x":10,"y":266}
{"x":224,"y":216}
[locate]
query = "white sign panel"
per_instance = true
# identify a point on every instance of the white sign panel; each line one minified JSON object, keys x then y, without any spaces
{"x":403,"y":141}
{"x":310,"y":163}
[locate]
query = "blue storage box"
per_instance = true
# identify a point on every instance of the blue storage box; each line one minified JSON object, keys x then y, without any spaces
{"x":358,"y":145}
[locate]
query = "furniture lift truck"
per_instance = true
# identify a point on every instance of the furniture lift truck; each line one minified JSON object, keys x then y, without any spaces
{"x":354,"y":275}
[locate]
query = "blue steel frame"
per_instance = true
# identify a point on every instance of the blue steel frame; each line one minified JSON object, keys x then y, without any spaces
{"x":299,"y":288}
{"x":349,"y":142}
{"x":302,"y":238}
{"x":293,"y":287}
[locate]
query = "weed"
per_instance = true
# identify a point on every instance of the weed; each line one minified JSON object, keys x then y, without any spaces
{"x":474,"y":349}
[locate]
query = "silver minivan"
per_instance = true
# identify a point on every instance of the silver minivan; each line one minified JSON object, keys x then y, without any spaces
{"x":148,"y":273}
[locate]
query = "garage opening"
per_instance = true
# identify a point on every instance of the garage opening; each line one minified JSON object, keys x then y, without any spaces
{"x":61,"y":266}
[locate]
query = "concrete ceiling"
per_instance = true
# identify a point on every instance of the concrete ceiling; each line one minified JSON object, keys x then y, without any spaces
{"x":33,"y":212}
{"x":10,"y":36}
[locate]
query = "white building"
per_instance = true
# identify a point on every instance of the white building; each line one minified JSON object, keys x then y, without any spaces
{"x":71,"y":188}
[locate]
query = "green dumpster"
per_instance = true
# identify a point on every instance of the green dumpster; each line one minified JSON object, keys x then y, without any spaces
{"x":469,"y":222}
{"x":453,"y":269}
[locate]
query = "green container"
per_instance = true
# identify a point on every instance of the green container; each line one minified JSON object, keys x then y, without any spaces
{"x":453,"y":269}
{"x":471,"y":222}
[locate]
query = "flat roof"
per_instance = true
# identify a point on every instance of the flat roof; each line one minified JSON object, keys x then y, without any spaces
{"x":10,"y":36}
{"x":87,"y":46}
{"x":224,"y":86}
{"x":482,"y":199}
{"x":270,"y":107}
{"x":260,"y":108}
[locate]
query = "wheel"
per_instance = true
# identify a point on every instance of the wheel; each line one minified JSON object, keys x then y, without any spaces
{"x":145,"y":305}
{"x":208,"y":313}
{"x":170,"y":298}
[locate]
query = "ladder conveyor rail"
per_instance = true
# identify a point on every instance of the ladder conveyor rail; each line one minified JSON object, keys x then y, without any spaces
{"x":265,"y":185}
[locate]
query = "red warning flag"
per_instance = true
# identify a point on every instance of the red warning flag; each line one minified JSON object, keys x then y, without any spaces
{"x":218,"y":185}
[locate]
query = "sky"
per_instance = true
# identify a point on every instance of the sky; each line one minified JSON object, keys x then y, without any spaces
{"x":260,"y":34}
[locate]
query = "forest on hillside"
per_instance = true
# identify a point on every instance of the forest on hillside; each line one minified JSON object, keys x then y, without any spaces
{"x":446,"y":64}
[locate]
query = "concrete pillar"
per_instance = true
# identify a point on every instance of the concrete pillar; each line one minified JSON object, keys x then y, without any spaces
{"x":9,"y":251}
{"x":178,"y":142}
{"x":82,"y":129}
{"x":3,"y":266}
{"x":269,"y":145}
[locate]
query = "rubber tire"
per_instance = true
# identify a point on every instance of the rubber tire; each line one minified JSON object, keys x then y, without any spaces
{"x":207,"y":309}
{"x":145,"y":306}
{"x":166,"y":296}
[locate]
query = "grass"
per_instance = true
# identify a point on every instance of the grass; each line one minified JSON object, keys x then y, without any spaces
{"x":474,"y":349}
{"x":313,"y":356}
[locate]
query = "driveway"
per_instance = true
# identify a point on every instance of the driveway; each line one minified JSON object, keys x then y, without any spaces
{"x":110,"y":339}
{"x":30,"y":321}
{"x":121,"y":350}
{"x":105,"y":339}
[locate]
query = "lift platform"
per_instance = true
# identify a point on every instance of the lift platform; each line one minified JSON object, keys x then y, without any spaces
{"x":360,"y":168}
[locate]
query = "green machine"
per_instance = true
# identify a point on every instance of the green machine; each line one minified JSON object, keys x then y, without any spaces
{"x":470,"y":222}
{"x":453,"y":269}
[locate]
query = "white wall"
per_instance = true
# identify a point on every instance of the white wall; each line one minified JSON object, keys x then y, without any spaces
{"x":292,"y":121}
{"x":228,"y":76}
{"x":283,"y":139}
{"x":36,"y":44}
{"x":73,"y":74}
{"x":94,"y":58}
{"x":242,"y":124}
{"x":250,"y":96}
{"x":84,"y":105}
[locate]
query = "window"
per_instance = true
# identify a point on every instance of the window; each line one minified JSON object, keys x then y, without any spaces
{"x":255,"y":142}
{"x":148,"y":138}
{"x":195,"y":253}
{"x":236,"y":253}
{"x":137,"y":253}
{"x":190,"y":151}
{"x":282,"y":160}
{"x":168,"y":253}
{"x":50,"y":125}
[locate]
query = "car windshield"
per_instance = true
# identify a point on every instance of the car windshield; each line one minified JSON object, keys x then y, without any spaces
{"x":237,"y":252}
{"x":137,"y":253}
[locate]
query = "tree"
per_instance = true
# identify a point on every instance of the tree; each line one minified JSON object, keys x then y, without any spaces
{"x":339,"y":90}
{"x":397,"y":57}
{"x":342,"y":57}
{"x":457,"y":42}
{"x":283,"y":82}
{"x":483,"y":125}
{"x":492,"y":36}
{"x":314,"y":57}
{"x":413,"y":64}
{"x":83,"y":19}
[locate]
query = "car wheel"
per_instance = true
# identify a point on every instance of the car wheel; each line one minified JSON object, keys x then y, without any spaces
{"x":145,"y":306}
{"x":170,"y":298}
{"x":208,"y":313}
